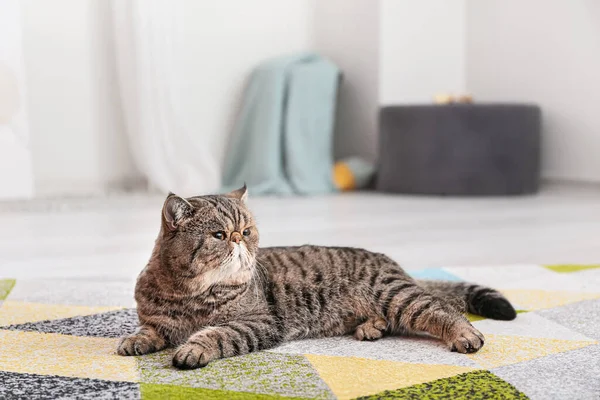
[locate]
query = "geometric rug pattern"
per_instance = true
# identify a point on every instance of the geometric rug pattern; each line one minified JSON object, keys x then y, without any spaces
{"x":58,"y":340}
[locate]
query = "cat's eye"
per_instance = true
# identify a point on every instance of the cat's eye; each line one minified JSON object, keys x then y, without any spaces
{"x":219,"y":235}
{"x":246,"y":232}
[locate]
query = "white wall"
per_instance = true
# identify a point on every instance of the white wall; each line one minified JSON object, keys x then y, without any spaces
{"x":422,"y":50}
{"x":546,"y":52}
{"x":347,"y":32}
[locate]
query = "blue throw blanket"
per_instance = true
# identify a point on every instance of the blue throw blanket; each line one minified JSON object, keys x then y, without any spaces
{"x":282,"y":141}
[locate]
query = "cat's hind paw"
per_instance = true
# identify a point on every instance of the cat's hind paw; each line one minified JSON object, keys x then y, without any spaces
{"x":467,"y":340}
{"x":371,"y":329}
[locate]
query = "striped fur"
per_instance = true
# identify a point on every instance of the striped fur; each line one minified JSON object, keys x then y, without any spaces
{"x":209,"y":289}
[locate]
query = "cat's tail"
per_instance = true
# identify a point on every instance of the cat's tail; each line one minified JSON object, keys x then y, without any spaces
{"x":476,"y":299}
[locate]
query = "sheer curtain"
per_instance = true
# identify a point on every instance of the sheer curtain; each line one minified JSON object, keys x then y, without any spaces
{"x":148,"y":37}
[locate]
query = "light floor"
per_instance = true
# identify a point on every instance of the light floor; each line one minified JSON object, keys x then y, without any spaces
{"x":111,"y":239}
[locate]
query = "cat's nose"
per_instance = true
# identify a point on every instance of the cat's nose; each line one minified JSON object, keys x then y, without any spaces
{"x":236,"y":237}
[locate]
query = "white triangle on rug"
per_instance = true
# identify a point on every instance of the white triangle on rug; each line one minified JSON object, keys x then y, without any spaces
{"x":420,"y":350}
{"x":525,"y":277}
{"x":497,"y":276}
{"x":555,"y":281}
{"x":529,"y":324}
{"x":590,"y":277}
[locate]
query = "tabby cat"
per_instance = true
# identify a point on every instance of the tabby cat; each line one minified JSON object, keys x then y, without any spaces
{"x":210,"y":290}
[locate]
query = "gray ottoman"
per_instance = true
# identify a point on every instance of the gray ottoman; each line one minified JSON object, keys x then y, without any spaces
{"x":459,"y":149}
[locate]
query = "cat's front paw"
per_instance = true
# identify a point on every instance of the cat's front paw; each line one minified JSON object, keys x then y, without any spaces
{"x":139,"y":344}
{"x":466,"y":339}
{"x":193,"y":355}
{"x":135,"y":345}
{"x":145,"y":340}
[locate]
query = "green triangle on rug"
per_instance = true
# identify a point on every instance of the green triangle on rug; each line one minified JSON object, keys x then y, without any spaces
{"x":6,"y":286}
{"x":475,"y":317}
{"x":473,"y":385}
{"x":568,"y":268}
{"x":273,"y":374}
{"x":152,"y":391}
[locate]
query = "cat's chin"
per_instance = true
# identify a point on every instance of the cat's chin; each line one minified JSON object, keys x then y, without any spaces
{"x":243,"y":276}
{"x":232,"y":275}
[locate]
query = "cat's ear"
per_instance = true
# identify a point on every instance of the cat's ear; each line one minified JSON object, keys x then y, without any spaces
{"x":240,"y":194}
{"x":175,"y":211}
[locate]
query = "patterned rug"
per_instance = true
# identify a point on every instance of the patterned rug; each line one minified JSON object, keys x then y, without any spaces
{"x":57,"y":340}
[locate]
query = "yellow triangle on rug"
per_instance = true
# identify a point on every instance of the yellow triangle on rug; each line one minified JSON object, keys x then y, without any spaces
{"x":17,"y":312}
{"x":502,"y":350}
{"x":350,"y":377}
{"x":65,"y":355}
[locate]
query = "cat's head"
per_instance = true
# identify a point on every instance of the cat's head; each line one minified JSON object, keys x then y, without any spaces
{"x":209,"y":239}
